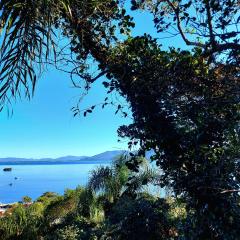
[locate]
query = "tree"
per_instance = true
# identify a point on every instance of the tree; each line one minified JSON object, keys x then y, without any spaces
{"x":143,"y":218}
{"x":212,"y":25}
{"x":29,"y":38}
{"x":188,"y":112}
{"x":26,"y":199}
{"x":110,"y":181}
{"x":117,"y":180}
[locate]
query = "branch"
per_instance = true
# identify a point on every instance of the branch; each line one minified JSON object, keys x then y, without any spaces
{"x":210,"y":27}
{"x":222,"y":190}
{"x":98,"y":76}
{"x":212,"y":46}
{"x":222,"y":47}
{"x":230,"y":191}
{"x":176,"y":11}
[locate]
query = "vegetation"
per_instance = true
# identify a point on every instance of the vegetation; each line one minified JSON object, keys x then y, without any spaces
{"x":26,"y":199}
{"x":184,"y":102}
{"x":96,"y":212}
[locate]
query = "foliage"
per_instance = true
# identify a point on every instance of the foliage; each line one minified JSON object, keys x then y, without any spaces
{"x":26,"y":199}
{"x":22,"y":222}
{"x":208,"y":24}
{"x":110,"y":180}
{"x":47,"y":197}
{"x":196,"y":140}
{"x":68,"y":233}
{"x":29,"y":37}
{"x":117,"y":180}
{"x":82,"y":214}
{"x":143,"y":218}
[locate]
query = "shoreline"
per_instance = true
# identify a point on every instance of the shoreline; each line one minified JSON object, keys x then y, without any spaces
{"x":5,"y":205}
{"x":50,"y":163}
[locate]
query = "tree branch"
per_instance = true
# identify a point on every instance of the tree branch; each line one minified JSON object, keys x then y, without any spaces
{"x":99,"y":75}
{"x":188,"y":42}
{"x":210,"y":47}
{"x":210,"y":27}
{"x":222,"y":47}
{"x":230,"y":191}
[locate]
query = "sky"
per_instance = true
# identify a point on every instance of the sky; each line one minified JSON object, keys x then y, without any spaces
{"x":45,"y":126}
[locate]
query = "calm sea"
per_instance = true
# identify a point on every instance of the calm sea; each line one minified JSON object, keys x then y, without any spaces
{"x":33,"y":180}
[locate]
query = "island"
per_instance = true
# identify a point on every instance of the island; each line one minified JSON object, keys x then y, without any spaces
{"x":8,"y":169}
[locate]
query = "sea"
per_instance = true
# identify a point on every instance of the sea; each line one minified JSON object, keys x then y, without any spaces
{"x":34,"y":180}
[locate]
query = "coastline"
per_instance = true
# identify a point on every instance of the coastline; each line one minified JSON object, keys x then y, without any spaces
{"x":4,"y":207}
{"x":52,"y":163}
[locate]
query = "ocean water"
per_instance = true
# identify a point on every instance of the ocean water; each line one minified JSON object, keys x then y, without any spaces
{"x":34,"y":180}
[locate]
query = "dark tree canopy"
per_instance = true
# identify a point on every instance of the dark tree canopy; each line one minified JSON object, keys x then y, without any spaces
{"x":189,"y":114}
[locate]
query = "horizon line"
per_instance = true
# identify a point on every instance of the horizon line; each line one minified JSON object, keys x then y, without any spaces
{"x":38,"y":158}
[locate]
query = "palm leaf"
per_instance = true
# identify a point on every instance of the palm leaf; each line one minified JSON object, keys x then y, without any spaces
{"x":99,"y":178}
{"x":26,"y":38}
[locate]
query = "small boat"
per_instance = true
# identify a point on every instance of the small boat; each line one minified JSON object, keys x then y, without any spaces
{"x":7,"y":169}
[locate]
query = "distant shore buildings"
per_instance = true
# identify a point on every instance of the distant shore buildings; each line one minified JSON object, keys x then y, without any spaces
{"x":5,"y":207}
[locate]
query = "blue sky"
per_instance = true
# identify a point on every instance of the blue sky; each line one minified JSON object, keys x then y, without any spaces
{"x":45,"y":127}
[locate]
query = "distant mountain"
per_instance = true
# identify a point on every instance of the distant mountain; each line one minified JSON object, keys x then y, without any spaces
{"x":105,"y":157}
{"x":70,"y":158}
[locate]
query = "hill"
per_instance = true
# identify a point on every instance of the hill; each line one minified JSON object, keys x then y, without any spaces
{"x":105,"y":157}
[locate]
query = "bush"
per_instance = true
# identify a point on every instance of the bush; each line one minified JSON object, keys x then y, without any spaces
{"x":67,"y":233}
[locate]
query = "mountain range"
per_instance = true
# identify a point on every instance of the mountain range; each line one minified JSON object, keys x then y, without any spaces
{"x":105,"y":157}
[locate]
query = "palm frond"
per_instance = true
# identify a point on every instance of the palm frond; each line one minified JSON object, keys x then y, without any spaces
{"x":147,"y":176}
{"x":99,"y":178}
{"x":26,"y":38}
